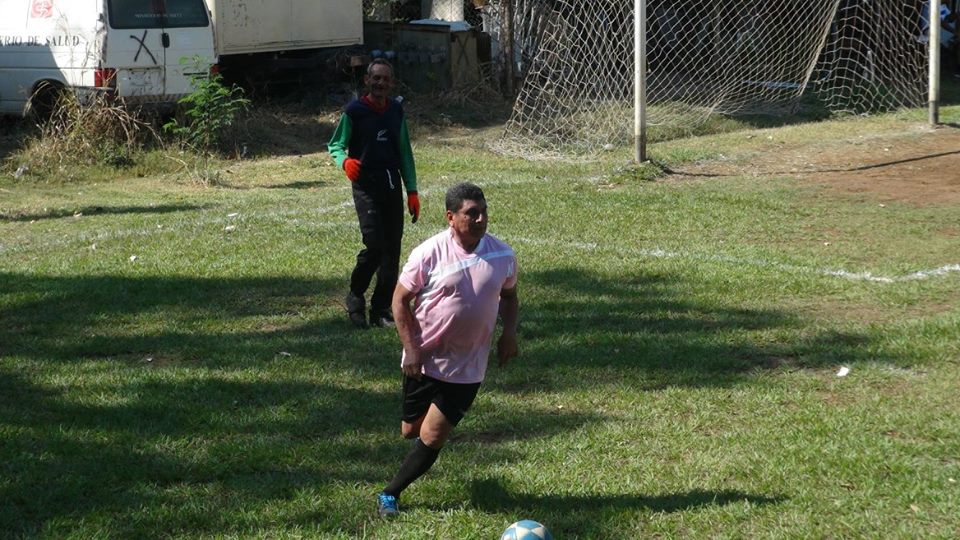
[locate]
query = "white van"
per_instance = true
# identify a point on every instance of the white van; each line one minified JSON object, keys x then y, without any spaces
{"x":129,"y":48}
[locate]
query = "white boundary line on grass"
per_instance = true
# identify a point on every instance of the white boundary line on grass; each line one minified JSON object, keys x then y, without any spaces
{"x":582,"y":246}
{"x":184,"y":224}
{"x":661,"y":254}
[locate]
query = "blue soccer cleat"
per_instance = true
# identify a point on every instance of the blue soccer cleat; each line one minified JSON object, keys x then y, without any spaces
{"x":387,"y":505}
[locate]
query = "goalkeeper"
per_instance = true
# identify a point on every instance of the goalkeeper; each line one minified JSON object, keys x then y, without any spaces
{"x":372,"y":146}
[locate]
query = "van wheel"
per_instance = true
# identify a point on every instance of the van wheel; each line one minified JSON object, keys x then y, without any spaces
{"x":45,"y":100}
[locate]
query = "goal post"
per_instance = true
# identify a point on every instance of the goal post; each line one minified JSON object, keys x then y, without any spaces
{"x":933,"y":97}
{"x":700,"y":60}
{"x":640,"y":80}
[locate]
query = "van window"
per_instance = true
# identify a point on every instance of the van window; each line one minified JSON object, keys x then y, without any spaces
{"x":157,"y":13}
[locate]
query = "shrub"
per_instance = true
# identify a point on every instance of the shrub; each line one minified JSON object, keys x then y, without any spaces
{"x":77,"y":137}
{"x":208,"y":111}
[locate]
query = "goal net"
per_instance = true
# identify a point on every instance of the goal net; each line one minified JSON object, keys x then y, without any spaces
{"x":705,"y":58}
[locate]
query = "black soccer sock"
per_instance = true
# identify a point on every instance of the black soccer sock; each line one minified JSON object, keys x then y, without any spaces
{"x":417,"y":462}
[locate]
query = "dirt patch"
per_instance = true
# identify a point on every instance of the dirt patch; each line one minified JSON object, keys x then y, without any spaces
{"x":919,"y":168}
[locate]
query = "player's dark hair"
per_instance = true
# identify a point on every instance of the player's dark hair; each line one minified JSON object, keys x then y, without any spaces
{"x":378,"y":62}
{"x":464,"y":191}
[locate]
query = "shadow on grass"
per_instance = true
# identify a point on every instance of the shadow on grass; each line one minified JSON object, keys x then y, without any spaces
{"x":290,"y":130}
{"x":299,"y":184}
{"x":188,"y":404}
{"x":644,"y":330}
{"x":14,"y":130}
{"x":880,"y":165}
{"x":597,"y":516}
{"x":98,"y":210}
{"x":576,"y":325}
{"x":156,"y":405}
{"x":210,"y":447}
{"x":69,"y":319}
{"x":200,"y":444}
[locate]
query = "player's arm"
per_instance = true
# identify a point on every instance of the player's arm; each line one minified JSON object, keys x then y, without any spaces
{"x":509,"y":315}
{"x":340,"y":141}
{"x":407,"y":329}
{"x":408,"y":167}
{"x":408,"y":171}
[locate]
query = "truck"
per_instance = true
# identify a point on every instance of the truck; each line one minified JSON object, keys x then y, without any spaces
{"x":135,"y":49}
{"x":131,"y":49}
{"x":258,"y":38}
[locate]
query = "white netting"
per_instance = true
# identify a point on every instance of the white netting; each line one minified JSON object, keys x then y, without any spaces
{"x":703,"y":58}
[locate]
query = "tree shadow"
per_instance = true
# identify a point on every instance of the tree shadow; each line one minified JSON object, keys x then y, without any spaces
{"x":98,"y":210}
{"x":638,"y":327}
{"x":73,"y":458}
{"x":300,"y":184}
{"x":127,"y":393}
{"x":167,"y":401}
{"x":155,"y":437}
{"x":643,"y":329}
{"x":879,"y":165}
{"x":598,"y":516}
{"x":67,"y":319}
{"x":487,"y":427}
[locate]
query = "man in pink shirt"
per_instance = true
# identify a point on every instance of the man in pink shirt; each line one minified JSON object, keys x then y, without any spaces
{"x":458,"y":282}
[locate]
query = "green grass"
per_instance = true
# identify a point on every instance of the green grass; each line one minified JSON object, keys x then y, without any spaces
{"x":175,"y":362}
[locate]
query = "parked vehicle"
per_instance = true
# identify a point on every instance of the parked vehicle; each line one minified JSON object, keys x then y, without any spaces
{"x":257,"y":38}
{"x":131,"y":49}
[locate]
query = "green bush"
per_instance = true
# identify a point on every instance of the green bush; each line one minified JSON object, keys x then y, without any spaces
{"x":208,"y":111}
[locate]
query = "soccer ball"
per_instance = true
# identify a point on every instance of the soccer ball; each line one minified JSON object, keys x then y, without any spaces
{"x":526,"y":529}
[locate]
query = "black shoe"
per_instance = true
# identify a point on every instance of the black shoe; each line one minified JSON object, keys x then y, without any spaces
{"x":358,"y":319}
{"x":382,"y":319}
{"x":356,"y":306}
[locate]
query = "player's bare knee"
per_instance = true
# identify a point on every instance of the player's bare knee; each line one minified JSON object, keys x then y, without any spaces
{"x":410,"y":431}
{"x":433,"y":440}
{"x":434,"y":437}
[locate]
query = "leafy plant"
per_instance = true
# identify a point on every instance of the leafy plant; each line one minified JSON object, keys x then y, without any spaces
{"x":208,"y":111}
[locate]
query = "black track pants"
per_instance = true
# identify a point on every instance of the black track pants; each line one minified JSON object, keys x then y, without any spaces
{"x":378,"y":197}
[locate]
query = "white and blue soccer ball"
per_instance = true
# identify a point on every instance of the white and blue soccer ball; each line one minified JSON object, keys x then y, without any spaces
{"x":526,"y":529}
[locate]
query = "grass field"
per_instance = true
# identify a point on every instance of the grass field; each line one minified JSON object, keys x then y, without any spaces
{"x":175,"y":360}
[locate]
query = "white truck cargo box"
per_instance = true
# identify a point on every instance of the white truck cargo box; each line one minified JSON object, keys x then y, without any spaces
{"x":259,"y":26}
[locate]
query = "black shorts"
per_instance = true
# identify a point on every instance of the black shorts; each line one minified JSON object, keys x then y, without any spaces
{"x":453,"y":400}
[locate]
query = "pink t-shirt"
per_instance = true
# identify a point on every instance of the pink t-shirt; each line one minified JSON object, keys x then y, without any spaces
{"x":457,"y":301}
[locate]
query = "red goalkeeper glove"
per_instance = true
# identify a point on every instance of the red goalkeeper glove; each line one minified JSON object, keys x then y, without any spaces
{"x":351,"y":166}
{"x":413,"y":205}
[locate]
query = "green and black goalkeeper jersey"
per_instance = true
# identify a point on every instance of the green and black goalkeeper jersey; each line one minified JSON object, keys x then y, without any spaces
{"x":377,"y":137}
